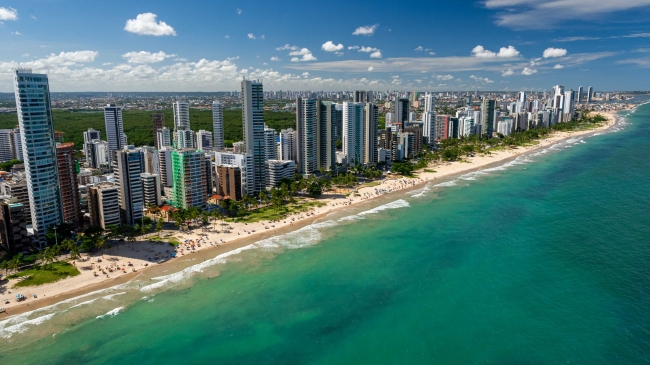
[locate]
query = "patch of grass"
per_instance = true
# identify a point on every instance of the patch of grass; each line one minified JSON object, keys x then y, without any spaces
{"x":44,"y":275}
{"x":429,"y":170}
{"x":173,"y":241}
{"x":370,"y":184}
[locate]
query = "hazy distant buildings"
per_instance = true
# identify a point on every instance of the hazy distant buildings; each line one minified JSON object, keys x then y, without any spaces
{"x":37,"y":134}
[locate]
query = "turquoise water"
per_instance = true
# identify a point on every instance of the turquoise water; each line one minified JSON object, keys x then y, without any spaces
{"x":543,"y":260}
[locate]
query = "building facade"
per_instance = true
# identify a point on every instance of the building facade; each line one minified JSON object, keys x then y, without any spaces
{"x":306,"y":136}
{"x":188,"y":170}
{"x":128,"y":166}
{"x":70,"y":199}
{"x":114,"y":129}
{"x":253,"y":125}
{"x":217,"y":126}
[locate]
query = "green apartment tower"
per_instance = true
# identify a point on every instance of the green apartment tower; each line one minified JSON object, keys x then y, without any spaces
{"x":189,"y":178}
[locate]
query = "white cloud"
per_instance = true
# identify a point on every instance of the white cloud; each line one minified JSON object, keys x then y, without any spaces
{"x":557,"y":67}
{"x":637,"y":35}
{"x":107,"y":63}
{"x":329,"y":46}
{"x":370,"y":68}
{"x":481,"y":79}
{"x":526,"y":14}
{"x":305,"y":53}
{"x":555,"y":52}
{"x":367,"y":30}
{"x":239,"y":11}
{"x":8,"y":14}
{"x":251,"y":36}
{"x":354,"y":47}
{"x":263,"y":36}
{"x":287,"y":47}
{"x":275,"y":59}
{"x":432,"y":53}
{"x":504,"y":52}
{"x":16,"y":33}
{"x":368,"y":49}
{"x":33,"y":17}
{"x":305,"y":74}
{"x":146,"y":24}
{"x":26,"y":55}
{"x":146,"y":57}
{"x":227,"y":36}
{"x":528,"y":71}
{"x":575,"y":39}
{"x":444,"y":77}
{"x":419,"y":48}
{"x":376,"y":54}
{"x":508,"y":72}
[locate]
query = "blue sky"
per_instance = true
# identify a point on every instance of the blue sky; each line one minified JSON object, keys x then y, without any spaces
{"x":334,"y":45}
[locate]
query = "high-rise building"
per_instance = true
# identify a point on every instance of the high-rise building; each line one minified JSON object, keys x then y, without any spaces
{"x":165,"y":164}
{"x":39,"y":153}
{"x":353,"y":132}
{"x":401,"y":111}
{"x":568,"y":107}
{"x":270,"y":147}
{"x":253,"y":123}
{"x":13,"y":227}
{"x":370,"y":126}
{"x":151,"y":189}
{"x":217,"y":126}
{"x":189,"y":178}
{"x":488,"y":113}
{"x":181,"y":115}
{"x":128,"y":166}
{"x":97,"y":154}
{"x":329,"y":116}
{"x":163,"y":138}
{"x":183,"y":138}
{"x":442,"y":122}
{"x":17,"y":189}
{"x":277,"y":171}
{"x":363,"y":96}
{"x":114,"y":129}
{"x":89,"y":135}
{"x":204,"y":141}
{"x":158,"y":120}
{"x":579,"y":96}
{"x":17,"y":144}
{"x":227,"y":163}
{"x":306,"y":136}
{"x":70,"y":199}
{"x":288,"y":144}
{"x":416,"y":130}
{"x":6,"y":145}
{"x":104,"y":205}
{"x":151,"y":160}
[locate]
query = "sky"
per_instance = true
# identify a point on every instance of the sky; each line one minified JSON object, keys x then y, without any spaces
{"x":211,"y":45}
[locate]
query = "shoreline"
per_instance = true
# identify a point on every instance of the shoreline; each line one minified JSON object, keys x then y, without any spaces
{"x":243,"y":234}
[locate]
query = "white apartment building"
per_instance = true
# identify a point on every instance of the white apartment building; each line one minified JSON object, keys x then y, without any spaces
{"x":353,"y":132}
{"x":181,"y":115}
{"x":217,"y":126}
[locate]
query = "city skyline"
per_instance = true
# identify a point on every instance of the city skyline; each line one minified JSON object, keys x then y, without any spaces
{"x":156,"y":47}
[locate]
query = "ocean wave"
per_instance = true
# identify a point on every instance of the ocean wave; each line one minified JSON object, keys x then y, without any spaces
{"x":393,"y":205}
{"x":422,"y":191}
{"x":446,"y":184}
{"x":498,"y":168}
{"x":21,"y":327}
{"x":111,"y":313}
{"x":303,"y":237}
{"x":111,"y":296}
{"x":84,"y":303}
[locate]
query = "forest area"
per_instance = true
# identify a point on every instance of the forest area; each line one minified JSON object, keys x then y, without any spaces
{"x":138,"y":125}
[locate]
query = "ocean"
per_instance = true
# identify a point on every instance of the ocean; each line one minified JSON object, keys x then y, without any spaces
{"x":544,"y":259}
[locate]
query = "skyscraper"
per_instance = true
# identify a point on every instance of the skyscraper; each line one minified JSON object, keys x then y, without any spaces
{"x":183,"y":138}
{"x":104,"y":205}
{"x":189,"y":178}
{"x":6,"y":145}
{"x":353,"y":132}
{"x":579,"y":96}
{"x":165,"y":164}
{"x":204,"y":140}
{"x":270,"y":146}
{"x":217,"y":126}
{"x":39,"y":153}
{"x":488,"y":113}
{"x":288,"y":144}
{"x":163,"y":138}
{"x":329,"y":117}
{"x":370,"y":125}
{"x":97,"y":154}
{"x":429,"y":120}
{"x":17,"y":144}
{"x":181,"y":115}
{"x":114,"y":129}
{"x":158,"y":120}
{"x":70,"y":199}
{"x":306,"y":135}
{"x":590,"y":94}
{"x":128,"y":165}
{"x":253,"y":125}
{"x":401,"y":111}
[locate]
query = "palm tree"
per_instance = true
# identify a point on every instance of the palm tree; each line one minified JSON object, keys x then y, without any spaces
{"x":4,"y":266}
{"x":15,"y":262}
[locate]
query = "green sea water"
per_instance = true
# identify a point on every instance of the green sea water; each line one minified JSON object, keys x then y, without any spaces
{"x":540,"y":260}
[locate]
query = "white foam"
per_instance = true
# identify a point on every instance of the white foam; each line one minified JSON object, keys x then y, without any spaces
{"x":572,"y":140}
{"x":498,"y":168}
{"x":111,"y":296}
{"x":446,"y":184}
{"x":21,"y":327}
{"x":393,"y":205}
{"x":84,"y":303}
{"x":111,"y":313}
{"x":302,"y":237}
{"x":422,"y":191}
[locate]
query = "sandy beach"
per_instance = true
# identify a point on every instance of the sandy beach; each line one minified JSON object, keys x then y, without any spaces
{"x":126,"y":261}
